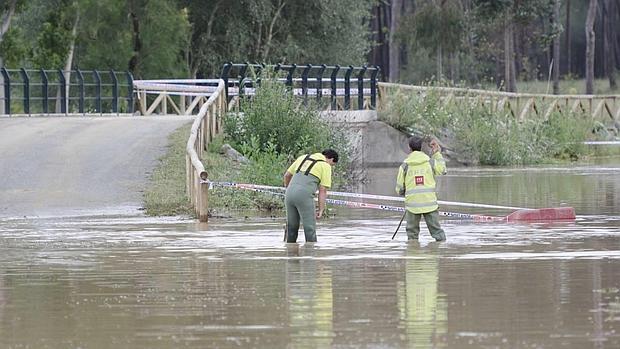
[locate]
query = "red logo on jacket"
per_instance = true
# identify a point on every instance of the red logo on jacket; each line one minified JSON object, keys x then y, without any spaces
{"x":419,"y":180}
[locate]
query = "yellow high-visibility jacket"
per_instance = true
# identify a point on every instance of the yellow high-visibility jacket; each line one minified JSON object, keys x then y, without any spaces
{"x":416,"y":181}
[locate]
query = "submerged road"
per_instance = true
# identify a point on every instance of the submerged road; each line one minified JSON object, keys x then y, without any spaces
{"x":79,"y":165}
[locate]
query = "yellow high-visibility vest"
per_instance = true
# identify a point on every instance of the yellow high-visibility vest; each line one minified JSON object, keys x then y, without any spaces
{"x":416,"y":181}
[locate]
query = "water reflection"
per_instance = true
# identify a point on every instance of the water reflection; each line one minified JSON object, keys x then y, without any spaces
{"x":310,"y":300}
{"x":424,"y":311}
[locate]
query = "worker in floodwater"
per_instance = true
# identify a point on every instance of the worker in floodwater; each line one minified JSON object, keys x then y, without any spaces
{"x":302,"y":179}
{"x":416,"y":181}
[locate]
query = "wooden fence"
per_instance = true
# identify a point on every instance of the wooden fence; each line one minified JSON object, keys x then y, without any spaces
{"x":520,"y":105}
{"x":207,"y":124}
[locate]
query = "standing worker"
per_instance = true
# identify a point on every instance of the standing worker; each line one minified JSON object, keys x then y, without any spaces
{"x":416,"y":181}
{"x":307,"y":174}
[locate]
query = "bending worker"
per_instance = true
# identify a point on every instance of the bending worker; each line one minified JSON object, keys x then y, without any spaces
{"x":416,"y":181}
{"x":302,"y":179}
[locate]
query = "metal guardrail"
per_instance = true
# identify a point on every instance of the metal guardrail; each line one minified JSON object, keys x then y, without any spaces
{"x":29,"y":91}
{"x":338,"y":84}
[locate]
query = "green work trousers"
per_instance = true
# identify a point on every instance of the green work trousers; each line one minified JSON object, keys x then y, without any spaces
{"x":299,"y":202}
{"x":432,"y":222}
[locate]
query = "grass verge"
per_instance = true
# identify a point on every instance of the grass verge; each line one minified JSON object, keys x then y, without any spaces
{"x":166,"y":196}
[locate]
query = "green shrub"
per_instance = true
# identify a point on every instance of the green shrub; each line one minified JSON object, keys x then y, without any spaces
{"x":487,"y":136}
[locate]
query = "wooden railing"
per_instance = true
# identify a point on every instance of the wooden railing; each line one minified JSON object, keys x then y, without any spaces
{"x":520,"y":105}
{"x":177,"y":96}
{"x":207,"y":124}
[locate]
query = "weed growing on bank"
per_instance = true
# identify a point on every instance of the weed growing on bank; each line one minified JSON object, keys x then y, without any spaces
{"x":273,"y":128}
{"x":165,"y":194}
{"x":479,"y":135}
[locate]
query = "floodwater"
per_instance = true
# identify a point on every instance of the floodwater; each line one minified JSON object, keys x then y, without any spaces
{"x":136,"y":282}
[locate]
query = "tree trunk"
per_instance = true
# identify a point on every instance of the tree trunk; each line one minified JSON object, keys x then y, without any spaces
{"x":394,"y":46}
{"x":69,"y":62}
{"x":270,"y":31}
{"x":609,"y":15}
{"x":134,"y":61}
{"x":6,"y":19}
{"x":590,"y":46}
{"x":556,"y":47}
{"x":439,"y":62}
{"x":569,"y":64}
{"x":509,"y":63}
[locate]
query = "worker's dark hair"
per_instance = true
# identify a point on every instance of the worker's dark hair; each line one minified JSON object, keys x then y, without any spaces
{"x":331,"y":154}
{"x":415,"y":143}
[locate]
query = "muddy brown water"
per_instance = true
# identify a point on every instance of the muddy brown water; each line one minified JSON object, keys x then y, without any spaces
{"x":126,"y":281}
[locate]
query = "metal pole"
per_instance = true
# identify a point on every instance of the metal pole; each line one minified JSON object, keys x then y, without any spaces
{"x":44,"y":91}
{"x":7,"y":90}
{"x":63,"y":91}
{"x":319,"y":81}
{"x":80,"y":77}
{"x":304,"y":82}
{"x":26,"y":80}
{"x":347,"y":88}
{"x":97,"y":91}
{"x":129,"y":92}
{"x":333,"y":86}
{"x":114,"y":92}
{"x":360,"y":88}
{"x":373,"y":87}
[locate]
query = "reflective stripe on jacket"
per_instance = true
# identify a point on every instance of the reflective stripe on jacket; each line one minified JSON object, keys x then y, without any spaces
{"x":416,"y":181}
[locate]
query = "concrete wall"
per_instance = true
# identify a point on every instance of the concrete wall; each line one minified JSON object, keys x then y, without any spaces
{"x":374,"y":144}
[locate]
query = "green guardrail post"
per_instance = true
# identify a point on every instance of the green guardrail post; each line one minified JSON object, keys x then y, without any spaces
{"x":44,"y":91}
{"x":319,"y":83}
{"x":63,"y":91}
{"x":360,"y":88}
{"x":82,"y":91}
{"x":224,"y":76}
{"x":97,"y":91}
{"x":26,"y":98}
{"x":347,"y":88}
{"x":114,"y":92}
{"x":130,"y":92}
{"x":334,"y":86}
{"x":7,"y":90}
{"x":304,"y":82}
{"x":373,"y":87}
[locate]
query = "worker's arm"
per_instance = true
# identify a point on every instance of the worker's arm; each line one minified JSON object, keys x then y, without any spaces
{"x":400,"y":179}
{"x":322,"y":197}
{"x":287,"y":178}
{"x":439,"y":164}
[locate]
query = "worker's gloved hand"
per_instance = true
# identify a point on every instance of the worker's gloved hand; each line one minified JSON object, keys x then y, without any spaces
{"x":435,"y":146}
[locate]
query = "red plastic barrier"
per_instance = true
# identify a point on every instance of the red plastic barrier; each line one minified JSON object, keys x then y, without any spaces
{"x":542,"y":214}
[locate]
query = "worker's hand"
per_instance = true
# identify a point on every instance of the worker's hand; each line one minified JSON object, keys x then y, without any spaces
{"x":319,"y":214}
{"x":435,"y":146}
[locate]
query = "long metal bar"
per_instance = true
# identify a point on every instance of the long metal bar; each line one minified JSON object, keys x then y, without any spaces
{"x":63,"y":91}
{"x":45,"y":91}
{"x":26,"y":98}
{"x":114,"y":92}
{"x":7,"y":90}
{"x":97,"y":91}
{"x":81,"y":91}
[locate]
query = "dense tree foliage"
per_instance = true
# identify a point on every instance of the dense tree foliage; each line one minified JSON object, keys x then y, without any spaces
{"x":471,"y":41}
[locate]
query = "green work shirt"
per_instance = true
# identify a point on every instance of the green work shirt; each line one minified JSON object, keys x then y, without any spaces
{"x":322,"y":170}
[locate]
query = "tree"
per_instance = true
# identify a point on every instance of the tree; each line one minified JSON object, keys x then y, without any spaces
{"x":609,"y":40}
{"x":590,"y":45}
{"x":396,"y":8}
{"x":555,"y":20}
